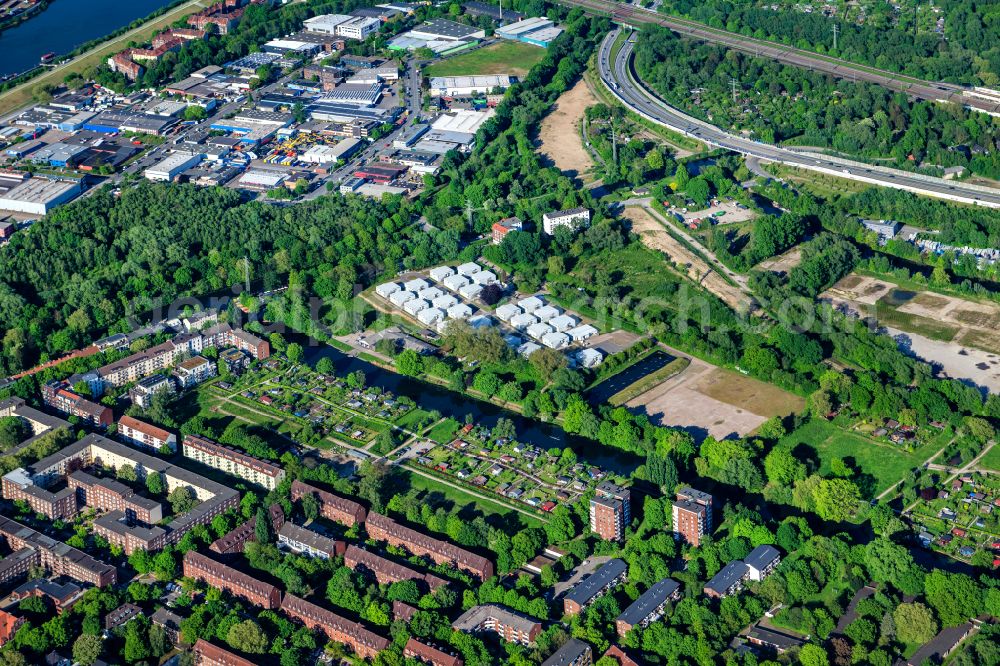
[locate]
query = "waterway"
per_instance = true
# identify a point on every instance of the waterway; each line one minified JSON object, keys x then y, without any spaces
{"x":449,"y":403}
{"x":65,"y":25}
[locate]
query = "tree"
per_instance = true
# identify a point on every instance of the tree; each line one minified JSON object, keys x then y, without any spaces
{"x":154,"y":483}
{"x":13,"y":430}
{"x":546,"y":361}
{"x":294,"y":352}
{"x":87,"y":649}
{"x":887,"y":562}
{"x":409,"y":363}
{"x":181,"y":500}
{"x":782,"y":469}
{"x":813,"y":655}
{"x":955,"y":597}
{"x":836,"y":499}
{"x":915,"y":624}
{"x":310,"y":506}
{"x":325,"y":366}
{"x":247,"y":636}
{"x":136,"y":642}
{"x":262,"y":526}
{"x":194,"y":112}
{"x":127,"y":473}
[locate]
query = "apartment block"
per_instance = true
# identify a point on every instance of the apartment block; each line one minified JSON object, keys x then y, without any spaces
{"x":649,"y":607}
{"x":611,"y":574}
{"x":230,"y":580}
{"x":142,"y":393}
{"x":233,"y":462}
{"x":331,"y":506}
{"x":386,"y":571}
{"x":17,"y":564}
{"x":507,"y":624}
{"x":56,"y":556}
{"x":9,"y":624}
{"x":129,"y":535}
{"x":113,"y":495}
{"x":574,"y":652}
{"x":19,"y":485}
{"x":209,"y":654}
{"x":610,"y":511}
{"x":383,"y":528}
{"x":145,"y":436}
{"x":235,"y":540}
{"x":429,"y":654}
{"x":756,"y":566}
{"x":308,"y":542}
{"x":193,"y":371}
{"x":60,"y":397}
{"x":692,"y":515}
{"x":572,"y":218}
{"x":364,"y":642}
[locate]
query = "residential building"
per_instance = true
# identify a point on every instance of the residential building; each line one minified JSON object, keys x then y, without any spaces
{"x":237,"y":583}
{"x":56,"y":556}
{"x":233,"y":462}
{"x":209,"y":654}
{"x":500,"y":229}
{"x":507,"y":624}
{"x":364,"y":642}
{"x":649,"y":606}
{"x":17,"y":564}
{"x":235,"y":361}
{"x":113,"y":495}
{"x":572,"y":218}
{"x":145,"y":436}
{"x":385,"y":570}
{"x":170,"y":622}
{"x":193,"y":371}
{"x":777,"y":641}
{"x":611,"y":574}
{"x":20,"y":485}
{"x":761,"y":562}
{"x":142,"y":393}
{"x":236,"y":539}
{"x":9,"y":624}
{"x":617,"y":654}
{"x":574,"y":652}
{"x":692,"y":515}
{"x":60,"y":397}
{"x":383,"y":528}
{"x":121,"y":616}
{"x":610,"y":511}
{"x":62,"y":594}
{"x":308,"y":542}
{"x":428,"y":654}
{"x":338,"y":509}
{"x":728,"y":581}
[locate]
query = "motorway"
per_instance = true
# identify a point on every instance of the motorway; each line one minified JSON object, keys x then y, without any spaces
{"x":618,"y":75}
{"x":932,"y":91}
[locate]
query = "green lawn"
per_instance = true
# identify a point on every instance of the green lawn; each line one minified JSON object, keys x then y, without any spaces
{"x":992,"y":459}
{"x":444,"y":431}
{"x":410,"y":419}
{"x":505,"y":57}
{"x":887,"y":464}
{"x":911,"y":323}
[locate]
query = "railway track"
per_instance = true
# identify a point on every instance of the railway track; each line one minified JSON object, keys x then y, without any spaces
{"x":977,"y":99}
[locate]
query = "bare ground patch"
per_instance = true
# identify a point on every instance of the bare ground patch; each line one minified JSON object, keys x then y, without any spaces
{"x":783,"y":263}
{"x":748,"y":393}
{"x":559,"y":137}
{"x":654,"y":236}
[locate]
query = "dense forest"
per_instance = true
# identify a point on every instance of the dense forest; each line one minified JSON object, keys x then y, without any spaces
{"x":784,"y":104}
{"x":970,"y":53}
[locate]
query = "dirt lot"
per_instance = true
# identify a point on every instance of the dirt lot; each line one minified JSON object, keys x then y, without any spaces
{"x":707,"y":400}
{"x":861,"y":289}
{"x":783,"y":263}
{"x":559,"y":138}
{"x":656,"y":237}
{"x":733,"y":214}
{"x":614,"y":342}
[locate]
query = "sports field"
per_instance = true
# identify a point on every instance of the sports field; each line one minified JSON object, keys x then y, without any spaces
{"x":506,"y":57}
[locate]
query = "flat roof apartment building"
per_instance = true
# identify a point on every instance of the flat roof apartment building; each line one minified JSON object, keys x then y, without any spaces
{"x":383,"y":528}
{"x":610,"y":511}
{"x":233,"y":462}
{"x":692,"y":515}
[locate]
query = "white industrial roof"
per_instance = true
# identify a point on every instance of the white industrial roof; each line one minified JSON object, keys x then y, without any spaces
{"x":462,"y":120}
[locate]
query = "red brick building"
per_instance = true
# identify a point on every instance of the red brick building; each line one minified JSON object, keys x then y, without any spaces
{"x":208,"y":654}
{"x":9,"y":624}
{"x":414,"y":649}
{"x":361,"y":640}
{"x":235,"y":582}
{"x":235,"y":540}
{"x":331,"y":506}
{"x":692,"y":515}
{"x":610,"y":511}
{"x":60,"y":397}
{"x":386,"y":571}
{"x":500,"y":229}
{"x":383,"y":528}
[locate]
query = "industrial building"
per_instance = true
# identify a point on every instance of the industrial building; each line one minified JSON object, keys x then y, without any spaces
{"x":38,"y":196}
{"x":326,"y":24}
{"x":172,"y":166}
{"x":464,"y":86}
{"x":538,"y":31}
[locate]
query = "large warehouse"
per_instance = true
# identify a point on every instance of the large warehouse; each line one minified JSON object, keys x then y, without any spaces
{"x":38,"y":196}
{"x":461,"y":86}
{"x":167,"y":169}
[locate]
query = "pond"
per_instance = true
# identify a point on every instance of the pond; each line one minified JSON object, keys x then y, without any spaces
{"x":630,"y":375}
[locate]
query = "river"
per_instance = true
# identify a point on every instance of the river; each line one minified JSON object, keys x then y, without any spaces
{"x":65,"y":25}
{"x":452,"y":404}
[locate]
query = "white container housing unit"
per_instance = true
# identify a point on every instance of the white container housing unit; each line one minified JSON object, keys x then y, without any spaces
{"x":508,"y":311}
{"x":441,"y":272}
{"x":531,"y":303}
{"x":444,"y":301}
{"x":468,"y":268}
{"x":388,"y":289}
{"x":430,"y":316}
{"x":563,"y":322}
{"x":539,"y":330}
{"x":484,"y":277}
{"x":581,"y":333}
{"x":547,"y":312}
{"x":416,"y":285}
{"x":589,"y":358}
{"x":470,"y":292}
{"x":415,"y":306}
{"x":400,"y":297}
{"x":555,"y":340}
{"x":528,"y":348}
{"x":459,"y":311}
{"x":455,"y":282}
{"x":430,"y":293}
{"x":522,"y":321}
{"x":481,"y":321}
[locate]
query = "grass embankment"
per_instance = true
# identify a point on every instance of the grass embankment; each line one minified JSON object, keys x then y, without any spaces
{"x":637,"y":388}
{"x":506,"y":57}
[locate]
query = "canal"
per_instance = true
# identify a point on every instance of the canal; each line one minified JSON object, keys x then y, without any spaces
{"x":65,"y":25}
{"x":449,"y":403}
